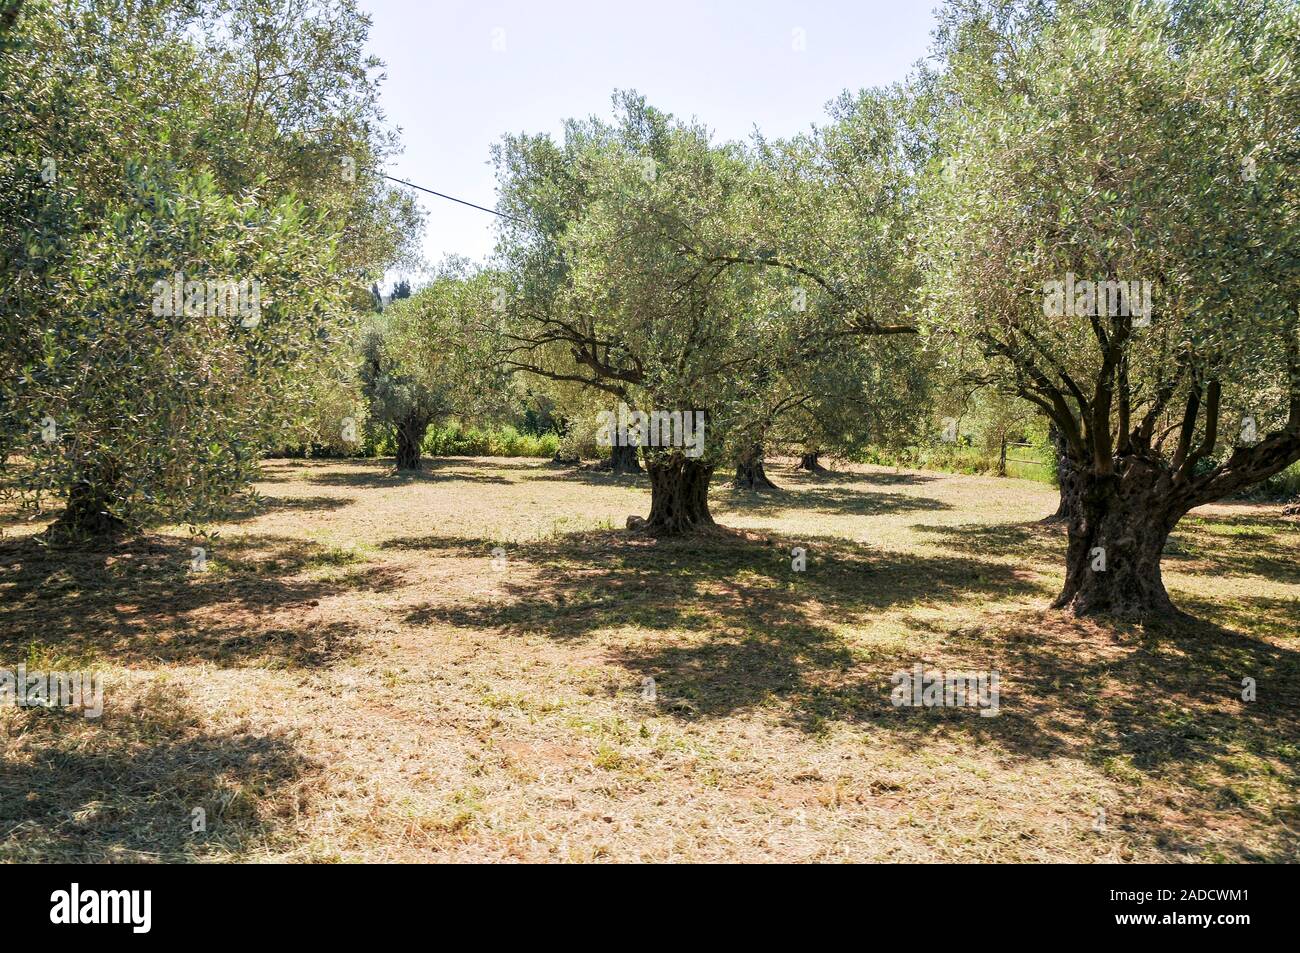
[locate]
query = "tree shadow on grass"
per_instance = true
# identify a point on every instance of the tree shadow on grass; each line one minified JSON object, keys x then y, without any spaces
{"x":1237,"y":545}
{"x":241,"y":511}
{"x":536,"y":464}
{"x":723,"y":625}
{"x":591,"y":477}
{"x":1271,"y":616}
{"x":378,"y":474}
{"x":124,"y":787}
{"x":832,"y":500}
{"x":1169,"y":707}
{"x":1158,"y":710}
{"x":252,"y":509}
{"x":740,"y":625}
{"x":851,"y":478}
{"x":848,"y":493}
{"x":1035,"y":542}
{"x":142,"y":600}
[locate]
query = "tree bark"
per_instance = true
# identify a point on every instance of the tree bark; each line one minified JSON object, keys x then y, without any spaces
{"x":808,"y":461}
{"x":410,"y":440}
{"x":1117,"y":536}
{"x":679,"y":495}
{"x":88,"y":512}
{"x":750,"y":474}
{"x":622,"y":459}
{"x":1067,"y":478}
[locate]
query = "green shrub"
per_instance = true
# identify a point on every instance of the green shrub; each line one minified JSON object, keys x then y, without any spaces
{"x":506,"y":441}
{"x":961,"y":458}
{"x":1280,"y":486}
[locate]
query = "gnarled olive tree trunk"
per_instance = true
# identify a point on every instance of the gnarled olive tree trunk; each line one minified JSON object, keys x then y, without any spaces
{"x":809,"y":461}
{"x":679,"y":495}
{"x":410,"y":440}
{"x":1067,"y":477}
{"x":91,"y":499}
{"x":750,"y":474}
{"x":622,"y":459}
{"x":1117,"y":535}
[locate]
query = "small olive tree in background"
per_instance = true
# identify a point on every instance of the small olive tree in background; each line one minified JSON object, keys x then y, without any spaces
{"x":429,"y":357}
{"x":853,"y":399}
{"x":832,"y":214}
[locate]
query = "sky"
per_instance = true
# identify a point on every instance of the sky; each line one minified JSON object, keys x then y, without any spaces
{"x":460,"y":75}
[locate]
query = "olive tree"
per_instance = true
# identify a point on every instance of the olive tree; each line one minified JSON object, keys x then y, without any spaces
{"x":429,"y":356}
{"x":855,"y":398}
{"x":834,"y":213}
{"x":612,"y":239}
{"x":649,"y":267}
{"x":1114,"y":225}
{"x":189,"y":322}
{"x":200,"y":147}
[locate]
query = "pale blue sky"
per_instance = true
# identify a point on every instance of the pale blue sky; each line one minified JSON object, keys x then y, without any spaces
{"x":461,"y":74}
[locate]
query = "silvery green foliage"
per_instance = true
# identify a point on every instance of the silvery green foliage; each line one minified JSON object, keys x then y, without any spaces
{"x":1101,"y":145}
{"x":143,"y":142}
{"x":668,"y":290}
{"x":1106,"y":143}
{"x":429,"y":356}
{"x":162,"y":416}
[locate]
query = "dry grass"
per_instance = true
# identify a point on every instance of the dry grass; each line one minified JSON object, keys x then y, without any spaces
{"x":354,"y":679}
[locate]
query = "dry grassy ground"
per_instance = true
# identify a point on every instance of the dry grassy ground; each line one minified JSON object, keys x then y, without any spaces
{"x":353,"y":678}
